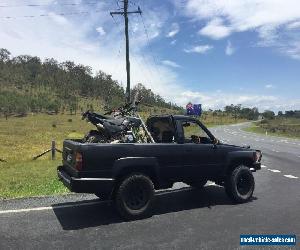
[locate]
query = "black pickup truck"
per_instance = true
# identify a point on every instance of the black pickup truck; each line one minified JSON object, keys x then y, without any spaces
{"x":184,"y":151}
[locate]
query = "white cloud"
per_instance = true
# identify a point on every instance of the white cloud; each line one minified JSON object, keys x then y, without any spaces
{"x":215,"y":29}
{"x":229,"y":49}
{"x":173,"y":42}
{"x":270,"y":18}
{"x":170,"y":63}
{"x":245,"y":15}
{"x":201,"y":49}
{"x":292,"y":49}
{"x":268,"y":35}
{"x":101,"y":31}
{"x":269,"y":86}
{"x":174,"y":30}
{"x":294,"y":25}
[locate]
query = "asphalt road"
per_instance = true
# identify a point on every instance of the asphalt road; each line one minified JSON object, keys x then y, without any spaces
{"x":184,"y":218}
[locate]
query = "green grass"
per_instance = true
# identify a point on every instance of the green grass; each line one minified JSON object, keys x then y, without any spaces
{"x":30,"y":178}
{"x":23,"y":138}
{"x":282,"y":127}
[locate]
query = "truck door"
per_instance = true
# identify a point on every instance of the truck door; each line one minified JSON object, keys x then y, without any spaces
{"x":201,"y":157}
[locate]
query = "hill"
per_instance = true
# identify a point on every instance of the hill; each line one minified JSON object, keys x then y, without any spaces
{"x":28,"y":84}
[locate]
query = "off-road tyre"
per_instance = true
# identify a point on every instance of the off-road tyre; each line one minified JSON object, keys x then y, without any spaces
{"x":134,"y":197}
{"x":240,"y":184}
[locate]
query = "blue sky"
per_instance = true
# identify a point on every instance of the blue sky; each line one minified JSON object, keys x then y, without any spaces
{"x":213,"y":52}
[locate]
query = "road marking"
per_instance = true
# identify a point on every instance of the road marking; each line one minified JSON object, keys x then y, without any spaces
{"x":24,"y":210}
{"x":263,"y":166}
{"x":274,"y":170}
{"x":291,"y":176}
{"x":275,"y":151}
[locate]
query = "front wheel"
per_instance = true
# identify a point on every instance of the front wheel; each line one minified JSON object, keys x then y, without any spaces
{"x":240,"y":184}
{"x":135,"y":197}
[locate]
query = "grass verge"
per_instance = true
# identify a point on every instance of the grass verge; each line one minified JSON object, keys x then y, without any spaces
{"x":256,"y":128}
{"x":30,"y":178}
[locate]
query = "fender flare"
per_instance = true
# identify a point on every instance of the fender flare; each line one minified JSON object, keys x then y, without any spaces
{"x":236,"y":157}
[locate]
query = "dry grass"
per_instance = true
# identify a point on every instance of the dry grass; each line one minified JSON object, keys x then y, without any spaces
{"x":286,"y":127}
{"x":23,"y":138}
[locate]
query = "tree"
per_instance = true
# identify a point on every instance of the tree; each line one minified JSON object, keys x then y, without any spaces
{"x":268,"y":114}
{"x":4,"y":55}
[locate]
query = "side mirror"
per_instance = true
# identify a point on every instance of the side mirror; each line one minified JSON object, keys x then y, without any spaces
{"x":216,"y":141}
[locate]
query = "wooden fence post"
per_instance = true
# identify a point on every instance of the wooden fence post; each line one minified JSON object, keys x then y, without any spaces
{"x":53,"y":150}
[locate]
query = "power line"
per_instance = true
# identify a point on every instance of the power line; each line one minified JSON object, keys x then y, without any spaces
{"x":49,"y":15}
{"x":41,"y":5}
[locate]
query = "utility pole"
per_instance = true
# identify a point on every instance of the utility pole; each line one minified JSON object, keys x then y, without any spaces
{"x":125,"y":13}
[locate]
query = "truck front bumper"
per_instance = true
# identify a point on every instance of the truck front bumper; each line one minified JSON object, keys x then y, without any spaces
{"x":256,"y":166}
{"x":99,"y":186}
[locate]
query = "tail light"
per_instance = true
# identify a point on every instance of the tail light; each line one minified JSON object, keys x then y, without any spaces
{"x":78,"y":161}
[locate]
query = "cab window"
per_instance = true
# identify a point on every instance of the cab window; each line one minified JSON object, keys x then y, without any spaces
{"x":193,"y":133}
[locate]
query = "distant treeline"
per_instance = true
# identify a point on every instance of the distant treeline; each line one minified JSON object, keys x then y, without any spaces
{"x":290,"y":114}
{"x":242,"y":112}
{"x":28,"y":84}
{"x":238,"y":111}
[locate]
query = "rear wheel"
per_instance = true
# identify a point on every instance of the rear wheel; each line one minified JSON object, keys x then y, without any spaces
{"x":135,"y":197}
{"x":240,"y":184}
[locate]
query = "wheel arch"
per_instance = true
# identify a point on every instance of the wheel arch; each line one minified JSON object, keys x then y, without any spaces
{"x":144,"y":165}
{"x":237,"y":158}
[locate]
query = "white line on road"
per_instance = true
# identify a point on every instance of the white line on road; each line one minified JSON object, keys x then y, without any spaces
{"x":263,"y":166}
{"x":275,"y":151}
{"x":274,"y":170}
{"x":291,"y":176}
{"x":47,"y":208}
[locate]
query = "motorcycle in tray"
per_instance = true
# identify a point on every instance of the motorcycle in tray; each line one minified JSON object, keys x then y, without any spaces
{"x":122,"y":126}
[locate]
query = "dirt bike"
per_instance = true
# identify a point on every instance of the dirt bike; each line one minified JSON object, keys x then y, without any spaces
{"x":121,"y":127}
